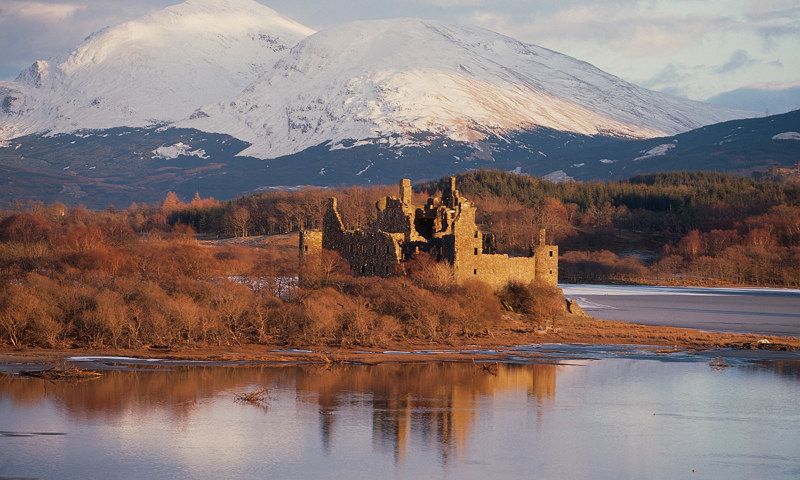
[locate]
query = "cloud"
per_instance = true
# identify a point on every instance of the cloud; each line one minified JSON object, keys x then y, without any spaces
{"x":633,"y":31}
{"x":774,"y":19}
{"x":681,"y":46}
{"x":671,"y":74}
{"x":739,"y":59}
{"x":44,"y":29}
{"x":450,"y":3}
{"x":775,"y":85}
{"x":39,"y":12}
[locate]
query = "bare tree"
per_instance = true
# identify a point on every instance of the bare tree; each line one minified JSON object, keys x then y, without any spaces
{"x":240,"y":221}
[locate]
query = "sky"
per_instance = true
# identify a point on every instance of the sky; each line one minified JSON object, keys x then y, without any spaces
{"x":691,"y":48}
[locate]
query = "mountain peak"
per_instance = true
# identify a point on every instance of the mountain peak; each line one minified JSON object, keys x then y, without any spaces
{"x":152,"y":70}
{"x":377,"y":79}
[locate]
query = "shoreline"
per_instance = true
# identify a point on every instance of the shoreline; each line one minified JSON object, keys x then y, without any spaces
{"x":493,"y":346}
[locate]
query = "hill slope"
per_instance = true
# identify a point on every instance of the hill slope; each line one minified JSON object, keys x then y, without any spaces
{"x":388,"y":81}
{"x":153,"y":70}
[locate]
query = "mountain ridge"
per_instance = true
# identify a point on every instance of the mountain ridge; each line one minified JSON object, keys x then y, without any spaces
{"x":152,"y":70}
{"x":375,"y":79}
{"x":123,"y":165}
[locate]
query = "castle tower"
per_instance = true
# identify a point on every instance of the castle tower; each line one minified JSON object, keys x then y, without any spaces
{"x":310,"y":246}
{"x":405,"y":191}
{"x":546,"y":258}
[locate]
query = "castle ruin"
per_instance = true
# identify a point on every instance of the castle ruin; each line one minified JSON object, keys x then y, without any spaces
{"x":444,"y":228}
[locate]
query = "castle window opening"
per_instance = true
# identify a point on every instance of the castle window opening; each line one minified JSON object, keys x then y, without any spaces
{"x":476,"y":251}
{"x":305,"y":248}
{"x":476,"y":234}
{"x":373,"y":269}
{"x":363,"y":268}
{"x":475,"y":271}
{"x":551,"y":253}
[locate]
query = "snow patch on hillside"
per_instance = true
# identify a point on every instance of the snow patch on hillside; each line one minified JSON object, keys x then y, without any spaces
{"x":787,"y":136}
{"x":558,"y":176}
{"x":657,"y":151}
{"x":179,"y":149}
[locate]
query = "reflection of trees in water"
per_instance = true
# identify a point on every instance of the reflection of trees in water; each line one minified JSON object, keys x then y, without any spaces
{"x":784,"y":368}
{"x":176,"y":390}
{"x":436,"y":403}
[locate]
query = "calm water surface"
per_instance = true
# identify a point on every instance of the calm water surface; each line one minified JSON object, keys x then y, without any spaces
{"x":765,"y":311}
{"x":607,"y":417}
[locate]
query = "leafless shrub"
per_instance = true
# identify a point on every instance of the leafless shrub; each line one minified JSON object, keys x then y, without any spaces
{"x":259,"y":398}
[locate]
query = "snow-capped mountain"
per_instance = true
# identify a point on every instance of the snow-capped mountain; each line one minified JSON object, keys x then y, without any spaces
{"x":153,"y":70}
{"x":384,"y":81}
{"x":195,"y":96}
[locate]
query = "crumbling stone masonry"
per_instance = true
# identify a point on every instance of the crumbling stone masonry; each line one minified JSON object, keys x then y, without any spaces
{"x":444,"y":228}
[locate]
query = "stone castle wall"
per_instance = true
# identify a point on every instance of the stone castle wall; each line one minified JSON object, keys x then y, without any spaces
{"x":445,"y":228}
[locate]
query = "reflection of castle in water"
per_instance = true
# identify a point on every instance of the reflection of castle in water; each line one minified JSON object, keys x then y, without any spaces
{"x":434,"y":405}
{"x":437,"y":404}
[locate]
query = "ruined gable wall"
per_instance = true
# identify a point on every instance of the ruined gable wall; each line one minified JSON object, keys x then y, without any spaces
{"x":467,"y":238}
{"x":394,"y":217}
{"x":369,"y":252}
{"x":332,"y":226}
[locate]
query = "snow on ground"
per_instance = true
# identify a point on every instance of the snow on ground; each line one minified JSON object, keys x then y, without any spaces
{"x":239,"y":68}
{"x":180,"y":149}
{"x":400,"y":77}
{"x":787,"y":136}
{"x":558,"y":176}
{"x":657,"y":151}
{"x":153,"y":70}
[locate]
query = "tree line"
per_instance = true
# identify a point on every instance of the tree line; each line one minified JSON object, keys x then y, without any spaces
{"x":677,"y":227}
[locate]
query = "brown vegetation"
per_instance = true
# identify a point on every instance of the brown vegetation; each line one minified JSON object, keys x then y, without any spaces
{"x":90,"y":280}
{"x":140,"y":278}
